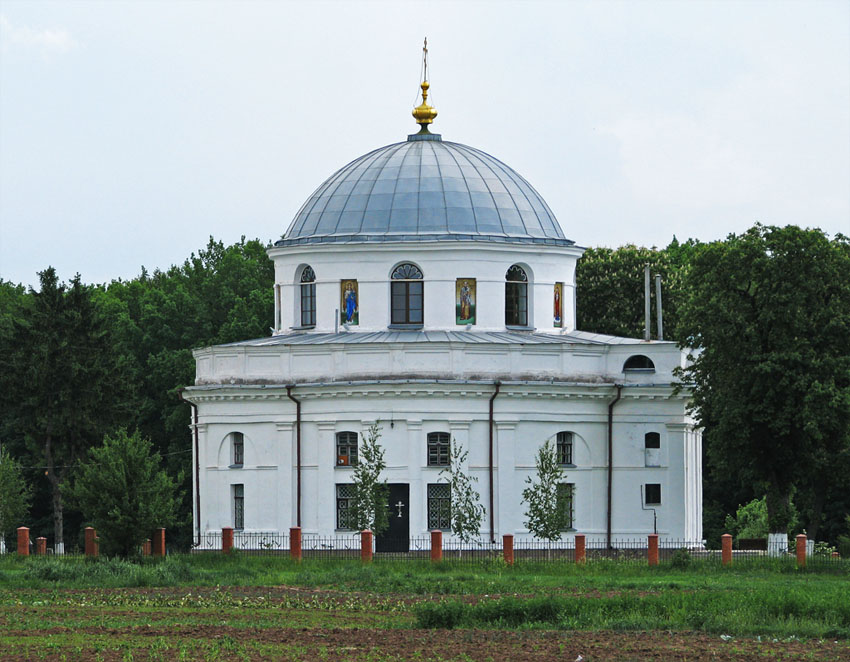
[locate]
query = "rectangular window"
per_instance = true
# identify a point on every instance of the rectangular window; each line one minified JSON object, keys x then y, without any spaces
{"x":653,"y":494}
{"x":238,"y":449}
{"x":565,"y":448}
{"x":516,"y":304}
{"x":239,"y":507}
{"x":406,"y":302}
{"x":439,"y":506}
{"x":438,"y":449}
{"x":346,"y":449}
{"x":566,"y":499}
{"x":308,"y":304}
{"x":344,"y":497}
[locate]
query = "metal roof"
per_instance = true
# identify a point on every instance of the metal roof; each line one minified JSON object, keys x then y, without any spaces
{"x":425,"y":190}
{"x":470,"y":337}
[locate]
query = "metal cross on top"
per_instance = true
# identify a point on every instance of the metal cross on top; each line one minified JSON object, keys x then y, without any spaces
{"x":399,"y":505}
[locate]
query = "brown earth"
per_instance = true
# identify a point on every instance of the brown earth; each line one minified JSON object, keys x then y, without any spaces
{"x":337,"y":644}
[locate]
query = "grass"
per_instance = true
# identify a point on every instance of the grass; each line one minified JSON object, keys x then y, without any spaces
{"x":81,"y":598}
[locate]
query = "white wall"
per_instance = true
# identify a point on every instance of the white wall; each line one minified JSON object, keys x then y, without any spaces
{"x":441,"y":264}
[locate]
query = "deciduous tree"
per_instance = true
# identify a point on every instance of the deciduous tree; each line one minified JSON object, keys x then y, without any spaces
{"x":467,"y":512}
{"x":15,"y":495}
{"x":370,"y":499}
{"x":547,"y":516}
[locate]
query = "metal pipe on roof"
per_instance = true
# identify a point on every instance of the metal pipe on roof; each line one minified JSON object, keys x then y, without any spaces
{"x":646,"y":313}
{"x":659,"y":318}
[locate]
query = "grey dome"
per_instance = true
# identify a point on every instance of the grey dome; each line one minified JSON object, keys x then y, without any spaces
{"x":425,"y":190}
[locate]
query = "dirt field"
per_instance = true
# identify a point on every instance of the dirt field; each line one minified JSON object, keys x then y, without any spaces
{"x":286,"y":623}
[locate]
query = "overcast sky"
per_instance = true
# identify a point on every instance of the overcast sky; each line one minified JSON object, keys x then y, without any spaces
{"x":132,"y":131}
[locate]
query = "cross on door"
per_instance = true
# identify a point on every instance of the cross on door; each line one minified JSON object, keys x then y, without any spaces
{"x":399,"y":505}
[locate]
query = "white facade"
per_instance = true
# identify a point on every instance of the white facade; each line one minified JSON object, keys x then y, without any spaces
{"x":440,"y":377}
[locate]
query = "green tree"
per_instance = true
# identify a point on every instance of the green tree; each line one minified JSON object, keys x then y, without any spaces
{"x":547,"y":516}
{"x":769,"y":313}
{"x":15,"y":495}
{"x":370,"y":498}
{"x":610,"y":288}
{"x":64,"y":384}
{"x":467,"y":512}
{"x":124,"y":493}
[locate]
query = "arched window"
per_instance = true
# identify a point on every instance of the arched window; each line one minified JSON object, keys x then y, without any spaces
{"x":346,"y":449}
{"x":308,"y":297}
{"x":438,"y":449}
{"x":237,"y":449}
{"x":638,"y":363}
{"x":516,"y":297}
{"x":652,"y":440}
{"x":406,"y":295}
{"x":652,"y":449}
{"x":564,"y":448}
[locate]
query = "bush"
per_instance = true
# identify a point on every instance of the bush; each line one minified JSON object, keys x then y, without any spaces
{"x":681,"y":559}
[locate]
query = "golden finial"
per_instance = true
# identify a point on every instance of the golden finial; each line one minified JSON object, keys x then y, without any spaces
{"x":424,"y":114}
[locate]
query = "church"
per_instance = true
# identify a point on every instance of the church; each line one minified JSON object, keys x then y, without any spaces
{"x":427,"y":287}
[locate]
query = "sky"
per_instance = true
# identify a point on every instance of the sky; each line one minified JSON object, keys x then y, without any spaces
{"x":131,"y":132}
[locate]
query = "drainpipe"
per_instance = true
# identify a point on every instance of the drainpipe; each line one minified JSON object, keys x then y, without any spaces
{"x":197,"y":464}
{"x":297,"y":454}
{"x":611,"y":455}
{"x":492,"y":527}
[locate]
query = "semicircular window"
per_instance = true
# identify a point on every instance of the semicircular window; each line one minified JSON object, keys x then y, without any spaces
{"x":406,"y":292}
{"x":308,"y":297}
{"x":638,"y":363}
{"x":516,"y":297}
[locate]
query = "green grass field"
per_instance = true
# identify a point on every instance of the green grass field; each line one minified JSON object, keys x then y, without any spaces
{"x":246,"y":607}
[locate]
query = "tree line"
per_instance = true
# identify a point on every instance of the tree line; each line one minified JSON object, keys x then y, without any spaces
{"x":767,"y":313}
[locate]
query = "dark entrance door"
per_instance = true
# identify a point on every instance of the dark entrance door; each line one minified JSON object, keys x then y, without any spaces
{"x":397,"y":536}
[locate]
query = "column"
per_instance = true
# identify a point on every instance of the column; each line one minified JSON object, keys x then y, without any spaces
{"x":285,"y":474}
{"x":507,"y":483}
{"x":327,"y":477}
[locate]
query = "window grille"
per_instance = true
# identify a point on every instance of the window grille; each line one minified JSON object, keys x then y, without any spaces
{"x":344,"y":499}
{"x":346,"y":449}
{"x":438,"y":449}
{"x":565,"y":504}
{"x":406,"y":294}
{"x":564,"y":448}
{"x":439,"y":506}
{"x":516,"y":297}
{"x":239,"y":507}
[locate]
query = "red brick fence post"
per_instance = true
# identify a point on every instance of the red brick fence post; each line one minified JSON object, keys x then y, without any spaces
{"x":41,"y":546}
{"x":91,"y":541}
{"x":580,"y":548}
{"x":146,"y":547}
{"x":159,"y":543}
{"x":436,"y":546}
{"x":23,"y":541}
{"x":226,"y":539}
{"x":653,"y":549}
{"x":801,"y":551}
{"x":366,"y":546}
{"x":295,"y":543}
{"x":508,"y":548}
{"x":726,"y":549}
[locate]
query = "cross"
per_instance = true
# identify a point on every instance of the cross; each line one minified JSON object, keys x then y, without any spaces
{"x":399,"y":505}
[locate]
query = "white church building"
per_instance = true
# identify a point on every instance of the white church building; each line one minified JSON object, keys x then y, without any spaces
{"x":428,"y":287}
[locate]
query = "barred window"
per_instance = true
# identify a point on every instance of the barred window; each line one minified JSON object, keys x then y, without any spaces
{"x":239,"y":507}
{"x":346,"y":449}
{"x":238,"y":449}
{"x":308,"y":297}
{"x":439,"y":506}
{"x":566,"y":498}
{"x":438,"y":449}
{"x":564,"y":448}
{"x":344,"y":498}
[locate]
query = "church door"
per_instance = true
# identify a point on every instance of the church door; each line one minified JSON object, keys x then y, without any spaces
{"x":397,"y":536}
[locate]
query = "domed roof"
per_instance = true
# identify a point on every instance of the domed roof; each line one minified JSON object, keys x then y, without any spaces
{"x":425,"y":189}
